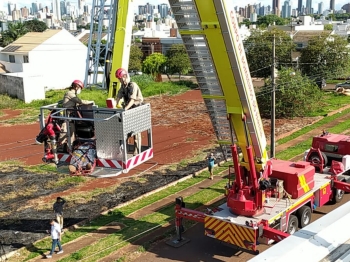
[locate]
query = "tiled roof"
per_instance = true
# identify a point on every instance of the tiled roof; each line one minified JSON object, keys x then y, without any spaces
{"x":85,"y":38}
{"x":305,"y":36}
{"x":29,"y":41}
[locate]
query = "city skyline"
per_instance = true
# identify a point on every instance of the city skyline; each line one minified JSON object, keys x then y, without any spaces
{"x":293,"y":3}
{"x":28,"y":3}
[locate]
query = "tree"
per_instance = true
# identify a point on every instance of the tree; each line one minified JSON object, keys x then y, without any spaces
{"x":35,"y":26}
{"x":246,"y":22}
{"x":154,"y":64}
{"x":13,"y":32}
{"x":178,"y":61}
{"x":296,"y":95}
{"x":266,"y":20}
{"x":259,"y":51}
{"x":325,"y":56}
{"x":328,"y":27}
{"x":135,"y":61}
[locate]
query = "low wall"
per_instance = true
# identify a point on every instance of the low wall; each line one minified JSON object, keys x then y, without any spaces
{"x":23,"y":87}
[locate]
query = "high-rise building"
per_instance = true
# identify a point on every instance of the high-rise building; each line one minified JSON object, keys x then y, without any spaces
{"x":149,"y":8}
{"x":241,"y":11}
{"x":81,"y":4}
{"x":63,"y":7}
{"x":16,"y":15}
{"x":56,"y":9}
{"x":250,"y":11}
{"x":253,"y":17}
{"x":11,"y":6}
{"x":257,"y":8}
{"x":320,"y":8}
{"x":300,"y":5}
{"x":276,"y":7}
{"x":142,"y":9}
{"x":87,"y":9}
{"x":286,"y":10}
{"x":35,"y":8}
{"x":308,"y":8}
{"x":24,"y":12}
{"x":163,"y":10}
{"x":332,"y":5}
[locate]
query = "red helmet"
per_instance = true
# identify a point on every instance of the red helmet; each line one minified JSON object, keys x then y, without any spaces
{"x":120,"y":72}
{"x":79,"y":83}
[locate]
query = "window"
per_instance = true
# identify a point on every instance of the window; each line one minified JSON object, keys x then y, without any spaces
{"x":331,"y":148}
{"x":12,"y":58}
{"x":25,"y":59}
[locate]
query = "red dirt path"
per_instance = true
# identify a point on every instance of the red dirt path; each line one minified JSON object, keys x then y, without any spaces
{"x":173,"y":140}
{"x":180,"y":126}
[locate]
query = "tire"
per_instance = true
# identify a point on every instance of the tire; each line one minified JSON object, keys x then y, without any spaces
{"x":304,"y":216}
{"x":292,"y":225}
{"x":314,"y":158}
{"x":337,"y":195}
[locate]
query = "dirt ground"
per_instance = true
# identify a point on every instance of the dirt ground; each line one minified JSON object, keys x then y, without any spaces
{"x":181,"y":127}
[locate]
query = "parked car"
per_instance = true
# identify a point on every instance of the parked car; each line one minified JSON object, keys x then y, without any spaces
{"x":134,"y":73}
{"x":345,"y":85}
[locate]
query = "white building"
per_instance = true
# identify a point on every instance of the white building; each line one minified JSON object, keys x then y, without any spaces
{"x":54,"y":57}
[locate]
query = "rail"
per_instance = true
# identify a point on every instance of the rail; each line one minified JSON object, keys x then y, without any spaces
{"x":326,"y":239}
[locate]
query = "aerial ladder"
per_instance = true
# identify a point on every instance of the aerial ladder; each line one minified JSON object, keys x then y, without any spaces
{"x":268,"y":199}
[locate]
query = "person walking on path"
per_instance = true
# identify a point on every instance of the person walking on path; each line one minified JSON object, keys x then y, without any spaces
{"x":58,"y":210}
{"x":56,"y":238}
{"x":211,"y":162}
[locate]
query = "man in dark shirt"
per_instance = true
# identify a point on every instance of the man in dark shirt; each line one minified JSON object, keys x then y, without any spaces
{"x":58,"y":210}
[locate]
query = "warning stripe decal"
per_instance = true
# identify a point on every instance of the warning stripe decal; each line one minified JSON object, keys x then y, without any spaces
{"x":130,"y":163}
{"x":304,"y":184}
{"x":230,"y":233}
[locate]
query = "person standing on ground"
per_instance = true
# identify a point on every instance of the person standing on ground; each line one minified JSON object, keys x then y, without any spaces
{"x":211,"y":161}
{"x":58,"y":210}
{"x":56,"y":238}
{"x":131,"y":93}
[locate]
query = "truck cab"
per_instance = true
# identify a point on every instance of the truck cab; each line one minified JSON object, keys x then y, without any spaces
{"x":331,"y":147}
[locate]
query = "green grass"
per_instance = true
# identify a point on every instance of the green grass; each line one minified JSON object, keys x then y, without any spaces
{"x":316,"y":125}
{"x":303,"y":146}
{"x":120,"y":214}
{"x":329,"y":102}
{"x":135,"y":228}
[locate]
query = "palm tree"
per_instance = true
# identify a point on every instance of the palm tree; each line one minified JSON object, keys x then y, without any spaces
{"x":13,"y":32}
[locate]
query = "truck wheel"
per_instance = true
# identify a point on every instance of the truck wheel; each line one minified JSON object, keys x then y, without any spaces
{"x":292,"y":225}
{"x":314,"y":158}
{"x":304,"y":216}
{"x":337,"y":195}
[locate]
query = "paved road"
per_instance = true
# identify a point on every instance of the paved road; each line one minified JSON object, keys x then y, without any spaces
{"x":202,"y":248}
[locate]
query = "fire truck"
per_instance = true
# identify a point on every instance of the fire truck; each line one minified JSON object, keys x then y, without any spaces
{"x":268,"y":199}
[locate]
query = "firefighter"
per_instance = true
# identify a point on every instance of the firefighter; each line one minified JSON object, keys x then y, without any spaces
{"x":131,"y":94}
{"x":71,"y":101}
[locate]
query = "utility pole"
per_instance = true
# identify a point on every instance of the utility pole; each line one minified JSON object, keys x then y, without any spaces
{"x":273,"y":97}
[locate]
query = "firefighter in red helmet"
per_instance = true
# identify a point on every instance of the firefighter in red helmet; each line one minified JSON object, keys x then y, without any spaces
{"x":131,"y":94}
{"x":71,"y":101}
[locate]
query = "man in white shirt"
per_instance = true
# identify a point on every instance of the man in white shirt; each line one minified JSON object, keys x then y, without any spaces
{"x":56,"y":238}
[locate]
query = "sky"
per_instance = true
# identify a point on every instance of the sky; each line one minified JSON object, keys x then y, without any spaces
{"x":294,"y":3}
